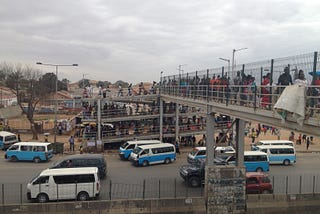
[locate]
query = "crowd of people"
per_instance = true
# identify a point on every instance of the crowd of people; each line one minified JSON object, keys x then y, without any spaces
{"x":243,"y":89}
{"x":189,"y":119}
{"x":255,"y":132}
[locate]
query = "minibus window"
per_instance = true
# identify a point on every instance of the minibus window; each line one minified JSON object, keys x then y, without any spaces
{"x":11,"y":138}
{"x":89,"y":178}
{"x":26,"y":148}
{"x":64,"y":179}
{"x":39,"y":149}
{"x":144,"y":152}
{"x":41,"y":180}
{"x":131,"y":146}
{"x":136,"y":150}
{"x":259,"y":143}
{"x":14,"y":147}
{"x":194,"y":151}
{"x":202,"y":152}
{"x":124,"y":145}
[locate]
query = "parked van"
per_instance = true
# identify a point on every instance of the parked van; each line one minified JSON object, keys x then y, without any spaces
{"x":126,"y":148}
{"x":279,"y":154}
{"x":7,"y":139}
{"x":254,"y":161}
{"x":271,"y":142}
{"x":200,"y":152}
{"x":30,"y":151}
{"x":152,"y":154}
{"x":63,"y":184}
{"x":83,"y":160}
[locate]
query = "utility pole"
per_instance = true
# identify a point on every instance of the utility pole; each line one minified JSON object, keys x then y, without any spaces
{"x":180,"y":69}
{"x":233,"y":65}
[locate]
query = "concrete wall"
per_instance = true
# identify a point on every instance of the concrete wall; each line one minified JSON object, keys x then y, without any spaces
{"x":262,"y":204}
{"x":225,"y":189}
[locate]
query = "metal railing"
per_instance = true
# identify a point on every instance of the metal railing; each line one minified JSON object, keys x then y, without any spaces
{"x":249,"y":96}
{"x":167,"y":188}
{"x":308,"y":62}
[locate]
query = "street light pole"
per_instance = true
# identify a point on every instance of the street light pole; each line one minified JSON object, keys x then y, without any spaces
{"x":233,"y":53}
{"x":56,"y":91}
{"x":227,"y":60}
{"x":160,"y":81}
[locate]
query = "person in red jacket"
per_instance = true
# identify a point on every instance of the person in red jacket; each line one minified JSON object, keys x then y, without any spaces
{"x":265,"y":99}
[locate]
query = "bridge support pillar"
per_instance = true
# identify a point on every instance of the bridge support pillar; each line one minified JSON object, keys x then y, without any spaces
{"x":177,"y":122}
{"x":225,"y":186}
{"x":161,"y":121}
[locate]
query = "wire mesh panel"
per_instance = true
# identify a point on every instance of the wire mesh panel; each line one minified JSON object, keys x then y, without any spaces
{"x":126,"y":191}
{"x":13,"y":193}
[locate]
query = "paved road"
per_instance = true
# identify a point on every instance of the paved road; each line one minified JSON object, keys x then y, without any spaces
{"x":127,"y":180}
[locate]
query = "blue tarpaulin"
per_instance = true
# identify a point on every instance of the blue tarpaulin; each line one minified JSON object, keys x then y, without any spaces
{"x":317,"y":73}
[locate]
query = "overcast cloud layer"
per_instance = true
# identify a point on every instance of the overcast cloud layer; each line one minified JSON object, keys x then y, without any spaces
{"x":134,"y":40}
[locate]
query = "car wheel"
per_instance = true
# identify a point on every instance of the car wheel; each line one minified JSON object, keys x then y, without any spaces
{"x":42,"y":198}
{"x":265,"y":191}
{"x":36,"y":160}
{"x":145,"y":163}
{"x":194,"y":182}
{"x":83,"y":196}
{"x":259,"y":169}
{"x":286,"y":162}
{"x":167,"y":161}
{"x":14,"y":158}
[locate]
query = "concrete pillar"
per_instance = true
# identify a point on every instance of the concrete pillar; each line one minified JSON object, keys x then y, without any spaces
{"x":161,"y":120}
{"x":99,"y":118}
{"x":240,"y":126}
{"x":210,"y":144}
{"x":177,"y":121}
{"x":226,"y":190}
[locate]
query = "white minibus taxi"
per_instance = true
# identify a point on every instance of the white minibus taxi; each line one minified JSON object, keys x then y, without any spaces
{"x":200,"y":153}
{"x":152,"y":154}
{"x":271,"y":142}
{"x":279,"y":154}
{"x":62,"y":184}
{"x":126,"y":148}
{"x":30,"y":151}
{"x":7,"y":139}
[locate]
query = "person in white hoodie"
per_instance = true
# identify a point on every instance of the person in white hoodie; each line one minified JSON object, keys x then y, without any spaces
{"x":301,"y":79}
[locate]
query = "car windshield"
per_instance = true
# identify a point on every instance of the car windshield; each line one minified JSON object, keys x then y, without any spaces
{"x":56,"y":163}
{"x":137,"y":150}
{"x":124,"y":145}
{"x":194,"y":152}
{"x":35,"y":177}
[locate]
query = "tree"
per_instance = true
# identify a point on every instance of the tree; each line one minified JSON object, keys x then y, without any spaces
{"x":83,"y":83}
{"x":122,"y":83}
{"x":64,"y":84}
{"x":24,"y":81}
{"x":103,"y":84}
{"x":48,"y":83}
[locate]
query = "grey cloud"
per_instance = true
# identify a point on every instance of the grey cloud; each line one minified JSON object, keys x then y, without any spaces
{"x":134,"y":40}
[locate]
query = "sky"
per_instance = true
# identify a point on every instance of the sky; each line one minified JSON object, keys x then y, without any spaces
{"x":134,"y":40}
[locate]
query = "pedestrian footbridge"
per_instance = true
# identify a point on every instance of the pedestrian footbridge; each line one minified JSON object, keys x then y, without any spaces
{"x":248,"y":106}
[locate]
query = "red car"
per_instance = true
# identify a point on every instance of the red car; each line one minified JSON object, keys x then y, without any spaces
{"x":257,"y":183}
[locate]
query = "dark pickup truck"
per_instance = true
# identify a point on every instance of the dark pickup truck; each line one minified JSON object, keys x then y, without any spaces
{"x":256,"y":182}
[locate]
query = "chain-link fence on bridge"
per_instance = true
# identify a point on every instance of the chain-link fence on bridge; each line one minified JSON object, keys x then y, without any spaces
{"x":166,"y":188}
